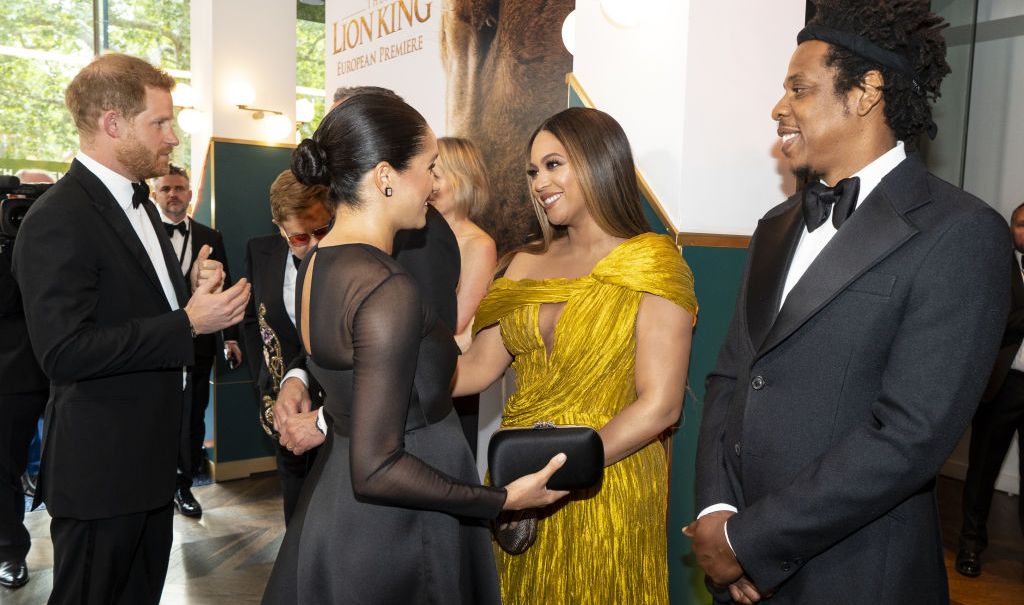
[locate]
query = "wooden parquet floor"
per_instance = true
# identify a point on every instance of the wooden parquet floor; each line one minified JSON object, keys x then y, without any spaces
{"x":224,"y":558}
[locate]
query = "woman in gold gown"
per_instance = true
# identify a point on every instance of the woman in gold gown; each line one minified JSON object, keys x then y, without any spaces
{"x":596,"y":319}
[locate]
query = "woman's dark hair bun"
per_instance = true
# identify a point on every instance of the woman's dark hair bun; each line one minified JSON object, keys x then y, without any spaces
{"x":309,"y":164}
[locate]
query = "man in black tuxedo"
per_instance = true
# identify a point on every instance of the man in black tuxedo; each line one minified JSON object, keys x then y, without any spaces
{"x":172,"y":194}
{"x":112,"y":325}
{"x":270,"y":335}
{"x":868,"y":318}
{"x":999,"y":416}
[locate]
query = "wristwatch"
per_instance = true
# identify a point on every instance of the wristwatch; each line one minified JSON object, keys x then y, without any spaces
{"x":191,"y":328}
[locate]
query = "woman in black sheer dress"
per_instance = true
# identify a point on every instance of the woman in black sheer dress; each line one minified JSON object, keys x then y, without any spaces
{"x":393,"y":511}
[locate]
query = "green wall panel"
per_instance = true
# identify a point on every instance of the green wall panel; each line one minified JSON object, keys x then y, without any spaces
{"x":236,"y":201}
{"x":717,"y":273}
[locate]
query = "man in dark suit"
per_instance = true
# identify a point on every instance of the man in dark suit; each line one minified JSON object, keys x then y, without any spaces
{"x":172,"y":194}
{"x":999,"y":416}
{"x":112,"y":325}
{"x":861,"y":339}
{"x":23,"y":392}
{"x":270,"y":335}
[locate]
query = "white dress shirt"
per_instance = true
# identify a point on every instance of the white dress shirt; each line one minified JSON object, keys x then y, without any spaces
{"x":121,"y":188}
{"x":291,"y":276}
{"x":812,"y":243}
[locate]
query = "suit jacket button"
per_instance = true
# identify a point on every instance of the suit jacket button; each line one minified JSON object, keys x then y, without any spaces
{"x":757,"y":383}
{"x":736,"y":448}
{"x":786,"y":567}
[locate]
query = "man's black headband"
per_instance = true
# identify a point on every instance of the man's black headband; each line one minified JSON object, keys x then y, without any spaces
{"x":860,"y":45}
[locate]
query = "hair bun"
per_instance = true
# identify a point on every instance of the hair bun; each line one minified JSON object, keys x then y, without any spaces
{"x":309,"y":164}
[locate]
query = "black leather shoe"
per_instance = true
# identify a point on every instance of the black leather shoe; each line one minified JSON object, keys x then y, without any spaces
{"x":13,"y":574}
{"x":186,"y":503}
{"x":968,"y":563}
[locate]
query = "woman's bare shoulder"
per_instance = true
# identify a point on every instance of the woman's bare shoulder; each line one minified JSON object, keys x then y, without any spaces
{"x":531,"y":263}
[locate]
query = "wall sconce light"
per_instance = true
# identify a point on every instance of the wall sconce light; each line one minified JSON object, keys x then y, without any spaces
{"x":277,"y":125}
{"x":189,"y":118}
{"x":303,"y":111}
{"x":569,"y":32}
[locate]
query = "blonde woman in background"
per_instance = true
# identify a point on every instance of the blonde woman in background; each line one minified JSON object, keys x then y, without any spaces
{"x":461,"y":192}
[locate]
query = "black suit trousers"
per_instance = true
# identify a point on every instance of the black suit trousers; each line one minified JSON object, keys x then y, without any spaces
{"x":19,"y":414}
{"x":991,"y":434}
{"x":195,"y":424}
{"x":116,"y":561}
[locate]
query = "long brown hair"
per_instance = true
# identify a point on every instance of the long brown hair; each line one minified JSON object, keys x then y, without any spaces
{"x":602,"y":161}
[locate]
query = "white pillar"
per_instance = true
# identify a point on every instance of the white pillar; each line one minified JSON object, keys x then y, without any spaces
{"x":693,"y":85}
{"x":239,"y":44}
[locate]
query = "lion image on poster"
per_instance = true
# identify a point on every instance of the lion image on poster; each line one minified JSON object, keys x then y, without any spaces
{"x":506,"y":68}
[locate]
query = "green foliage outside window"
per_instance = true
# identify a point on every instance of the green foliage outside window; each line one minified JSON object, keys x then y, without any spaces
{"x":44,"y":43}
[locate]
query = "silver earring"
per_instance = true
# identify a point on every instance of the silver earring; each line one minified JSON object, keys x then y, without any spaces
{"x":388,"y":192}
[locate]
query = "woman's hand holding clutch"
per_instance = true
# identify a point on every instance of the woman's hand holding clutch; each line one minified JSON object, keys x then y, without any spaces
{"x":530,"y":491}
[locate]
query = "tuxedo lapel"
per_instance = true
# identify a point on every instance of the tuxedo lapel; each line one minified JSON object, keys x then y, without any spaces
{"x":107,"y":206}
{"x":872,"y":233}
{"x":776,"y":242}
{"x":274,"y":268}
{"x":199,"y":239}
{"x":170,"y":258}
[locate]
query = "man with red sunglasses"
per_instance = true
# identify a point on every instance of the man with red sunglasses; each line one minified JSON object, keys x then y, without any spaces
{"x":303,"y":217}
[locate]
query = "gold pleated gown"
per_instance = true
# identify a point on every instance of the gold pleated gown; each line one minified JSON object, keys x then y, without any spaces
{"x":608,"y":547}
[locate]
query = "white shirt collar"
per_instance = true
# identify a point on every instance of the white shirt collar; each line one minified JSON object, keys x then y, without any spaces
{"x":164,"y":218}
{"x":872,"y":174}
{"x":119,"y":186}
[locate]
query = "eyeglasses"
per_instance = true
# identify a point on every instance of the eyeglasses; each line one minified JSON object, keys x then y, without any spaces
{"x":302,"y":239}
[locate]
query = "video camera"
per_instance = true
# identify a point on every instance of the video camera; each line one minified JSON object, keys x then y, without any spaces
{"x":15,"y":199}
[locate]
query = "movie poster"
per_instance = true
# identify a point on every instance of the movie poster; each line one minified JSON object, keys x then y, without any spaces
{"x":487,"y":70}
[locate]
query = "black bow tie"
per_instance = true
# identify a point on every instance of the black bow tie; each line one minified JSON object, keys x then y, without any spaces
{"x":820,"y":200}
{"x":297,"y":261}
{"x":180,"y":227}
{"x":140,"y":193}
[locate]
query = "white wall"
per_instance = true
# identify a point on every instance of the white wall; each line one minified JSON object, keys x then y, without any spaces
{"x":695,"y":96}
{"x":236,"y":41}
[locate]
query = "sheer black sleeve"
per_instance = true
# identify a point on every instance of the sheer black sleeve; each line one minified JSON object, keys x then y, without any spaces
{"x":386,"y":328}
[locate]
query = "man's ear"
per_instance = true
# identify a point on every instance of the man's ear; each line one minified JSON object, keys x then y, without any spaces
{"x":870,"y":92}
{"x":111,"y":123}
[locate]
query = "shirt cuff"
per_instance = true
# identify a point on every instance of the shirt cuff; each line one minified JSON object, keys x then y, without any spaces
{"x":297,"y":373}
{"x":322,"y":425}
{"x":714,"y":508}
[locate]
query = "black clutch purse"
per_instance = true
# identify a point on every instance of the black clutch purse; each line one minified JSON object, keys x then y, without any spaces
{"x":515,"y":452}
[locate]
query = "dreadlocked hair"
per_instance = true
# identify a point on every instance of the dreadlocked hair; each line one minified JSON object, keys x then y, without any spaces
{"x":906,"y":27}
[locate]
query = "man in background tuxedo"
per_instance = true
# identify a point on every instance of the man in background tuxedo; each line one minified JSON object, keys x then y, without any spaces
{"x":112,"y":326}
{"x":868,"y":318}
{"x":172,"y":194}
{"x":999,"y":416}
{"x":269,"y":333}
{"x":23,"y":392}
